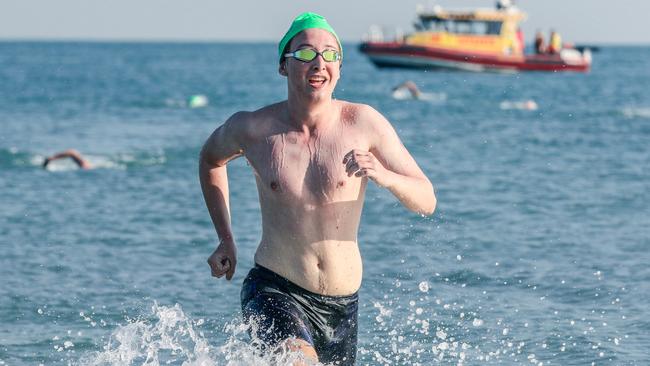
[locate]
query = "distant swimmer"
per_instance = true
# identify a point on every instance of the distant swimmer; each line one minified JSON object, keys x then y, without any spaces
{"x":313,"y":157}
{"x":526,"y":105}
{"x":72,"y":154}
{"x":405,"y":88}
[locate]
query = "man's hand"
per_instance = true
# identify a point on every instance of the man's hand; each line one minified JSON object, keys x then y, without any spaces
{"x":224,"y":260}
{"x":364,"y":164}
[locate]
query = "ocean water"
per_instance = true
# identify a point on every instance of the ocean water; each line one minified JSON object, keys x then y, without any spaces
{"x":537,"y":253}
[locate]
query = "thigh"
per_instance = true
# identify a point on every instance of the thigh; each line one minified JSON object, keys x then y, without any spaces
{"x":341,"y":347}
{"x":274,"y":318}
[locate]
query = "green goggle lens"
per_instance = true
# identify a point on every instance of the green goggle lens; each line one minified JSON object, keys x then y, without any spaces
{"x":308,"y":54}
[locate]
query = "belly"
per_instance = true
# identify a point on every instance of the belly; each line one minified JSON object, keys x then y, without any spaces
{"x":329,"y":267}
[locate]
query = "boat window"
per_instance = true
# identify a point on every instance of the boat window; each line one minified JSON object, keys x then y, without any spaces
{"x":463,"y":27}
{"x":438,"y":25}
{"x":486,"y":28}
{"x":493,"y":27}
{"x":479,"y":28}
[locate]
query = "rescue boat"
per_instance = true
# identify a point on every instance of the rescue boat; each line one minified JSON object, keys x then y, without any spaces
{"x":473,"y":40}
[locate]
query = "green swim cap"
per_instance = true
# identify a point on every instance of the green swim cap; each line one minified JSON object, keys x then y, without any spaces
{"x":302,"y":22}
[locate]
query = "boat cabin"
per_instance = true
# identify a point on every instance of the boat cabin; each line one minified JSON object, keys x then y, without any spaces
{"x":483,"y":30}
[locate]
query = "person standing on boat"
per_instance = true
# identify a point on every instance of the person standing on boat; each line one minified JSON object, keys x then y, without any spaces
{"x":503,"y":4}
{"x":313,"y":157}
{"x":539,"y":43}
{"x":555,"y":42}
{"x":520,"y":41}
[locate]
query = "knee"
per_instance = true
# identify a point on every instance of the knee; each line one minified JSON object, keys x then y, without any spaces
{"x":302,"y":346}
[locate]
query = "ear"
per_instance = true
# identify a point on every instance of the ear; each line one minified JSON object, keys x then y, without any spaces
{"x":283,"y":68}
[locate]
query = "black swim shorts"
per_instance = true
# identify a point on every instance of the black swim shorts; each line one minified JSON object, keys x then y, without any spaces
{"x":281,"y":309}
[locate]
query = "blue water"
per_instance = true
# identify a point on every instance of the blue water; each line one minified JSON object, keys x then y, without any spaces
{"x":537,"y":254}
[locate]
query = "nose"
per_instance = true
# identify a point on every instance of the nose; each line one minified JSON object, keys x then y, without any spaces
{"x":318,"y":63}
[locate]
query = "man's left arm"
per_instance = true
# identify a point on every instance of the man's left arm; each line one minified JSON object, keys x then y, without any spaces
{"x":390,"y":165}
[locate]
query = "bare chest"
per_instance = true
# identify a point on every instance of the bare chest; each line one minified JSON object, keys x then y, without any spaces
{"x":289,"y":167}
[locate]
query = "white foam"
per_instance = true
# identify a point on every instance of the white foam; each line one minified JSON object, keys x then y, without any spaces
{"x":405,"y":94}
{"x":402,"y":94}
{"x":433,"y":97}
{"x":633,"y":112}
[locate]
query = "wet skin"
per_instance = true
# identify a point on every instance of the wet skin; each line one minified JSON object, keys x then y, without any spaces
{"x":312,"y":157}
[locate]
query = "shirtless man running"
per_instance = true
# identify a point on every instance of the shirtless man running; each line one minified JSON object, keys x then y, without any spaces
{"x":312,"y":157}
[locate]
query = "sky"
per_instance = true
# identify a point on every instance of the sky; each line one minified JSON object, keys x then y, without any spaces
{"x":578,"y":21}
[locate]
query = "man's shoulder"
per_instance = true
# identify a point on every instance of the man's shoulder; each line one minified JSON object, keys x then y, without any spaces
{"x":270,"y":111}
{"x":362,"y":115}
{"x":251,"y":116}
{"x":347,"y":106}
{"x":248,"y":122}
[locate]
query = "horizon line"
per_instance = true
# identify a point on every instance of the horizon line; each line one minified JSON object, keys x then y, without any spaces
{"x":221,"y":40}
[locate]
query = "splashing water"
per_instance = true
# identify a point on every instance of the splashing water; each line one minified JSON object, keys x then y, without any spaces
{"x":172,"y":338}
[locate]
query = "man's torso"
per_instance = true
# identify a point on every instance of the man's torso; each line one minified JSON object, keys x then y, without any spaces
{"x":310,"y":207}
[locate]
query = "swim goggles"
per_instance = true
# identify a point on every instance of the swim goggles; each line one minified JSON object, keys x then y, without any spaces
{"x":309,"y":54}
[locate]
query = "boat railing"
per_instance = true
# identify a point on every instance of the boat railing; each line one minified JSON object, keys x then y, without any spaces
{"x":378,"y":33}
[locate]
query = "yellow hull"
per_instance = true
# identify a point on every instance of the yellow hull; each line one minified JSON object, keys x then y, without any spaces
{"x":473,"y":44}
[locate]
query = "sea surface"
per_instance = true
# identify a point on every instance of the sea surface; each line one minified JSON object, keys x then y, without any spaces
{"x":537,"y":253}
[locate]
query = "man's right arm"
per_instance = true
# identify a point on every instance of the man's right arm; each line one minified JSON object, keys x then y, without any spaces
{"x":225,"y":144}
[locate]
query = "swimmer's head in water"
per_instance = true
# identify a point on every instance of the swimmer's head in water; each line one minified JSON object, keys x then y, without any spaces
{"x":302,"y":22}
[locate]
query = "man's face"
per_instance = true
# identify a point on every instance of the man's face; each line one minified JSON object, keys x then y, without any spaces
{"x":316,"y":78}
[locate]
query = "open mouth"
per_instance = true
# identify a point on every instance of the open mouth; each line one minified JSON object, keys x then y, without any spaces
{"x":317,"y":81}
